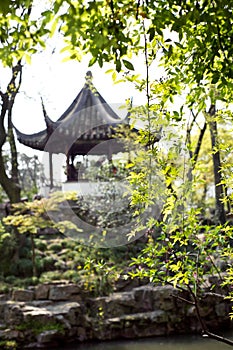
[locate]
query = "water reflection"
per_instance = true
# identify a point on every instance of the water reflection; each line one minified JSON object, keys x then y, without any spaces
{"x":169,"y":343}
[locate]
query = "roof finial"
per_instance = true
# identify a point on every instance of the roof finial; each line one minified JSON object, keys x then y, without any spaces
{"x":89,"y":75}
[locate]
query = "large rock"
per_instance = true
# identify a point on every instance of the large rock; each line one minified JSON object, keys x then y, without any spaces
{"x":64,"y":292}
{"x":143,"y":298}
{"x":149,"y":298}
{"x":114,"y":305}
{"x":23,"y":295}
{"x":82,"y":334}
{"x":125,"y":285}
{"x":42,"y":291}
{"x":141,"y":318}
{"x":2,"y":308}
{"x":9,"y":334}
{"x":71,"y":311}
{"x":33,"y":314}
{"x":132,"y":326}
{"x":46,"y":337}
{"x":4,"y":297}
{"x":40,"y":303}
{"x":13,"y":314}
{"x":221,"y":309}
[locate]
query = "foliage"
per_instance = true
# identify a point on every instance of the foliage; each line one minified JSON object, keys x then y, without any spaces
{"x":29,"y":217}
{"x":192,"y":37}
{"x":21,"y":32}
{"x":54,"y":256}
{"x":30,"y":170}
{"x":96,"y":270}
{"x":187,"y":255}
{"x":186,"y":247}
{"x":21,"y":36}
{"x":7,"y":249}
{"x":38,"y":327}
{"x":100,"y":276}
{"x":8,"y":345}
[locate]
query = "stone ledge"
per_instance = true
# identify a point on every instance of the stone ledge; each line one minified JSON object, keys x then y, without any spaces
{"x":143,"y":311}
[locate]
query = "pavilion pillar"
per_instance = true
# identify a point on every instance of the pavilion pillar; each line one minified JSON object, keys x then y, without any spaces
{"x":51,"y":170}
{"x":109,"y":154}
{"x":67,"y":166}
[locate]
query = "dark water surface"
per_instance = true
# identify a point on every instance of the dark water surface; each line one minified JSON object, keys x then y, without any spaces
{"x":161,"y":343}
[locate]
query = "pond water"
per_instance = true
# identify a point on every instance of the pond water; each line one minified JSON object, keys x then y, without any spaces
{"x":161,"y":343}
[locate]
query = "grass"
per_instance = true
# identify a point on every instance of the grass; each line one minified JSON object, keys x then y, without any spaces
{"x":38,"y":327}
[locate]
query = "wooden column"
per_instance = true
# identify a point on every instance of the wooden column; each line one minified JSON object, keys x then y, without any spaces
{"x":67,"y":167}
{"x":51,"y":170}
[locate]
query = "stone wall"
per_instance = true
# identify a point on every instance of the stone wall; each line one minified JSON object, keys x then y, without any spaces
{"x":49,"y":314}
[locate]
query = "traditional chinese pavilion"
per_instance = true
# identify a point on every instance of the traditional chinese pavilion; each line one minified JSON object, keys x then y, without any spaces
{"x":88,"y":122}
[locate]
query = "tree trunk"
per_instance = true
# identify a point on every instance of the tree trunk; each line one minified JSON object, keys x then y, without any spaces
{"x":10,"y":183}
{"x":11,"y":188}
{"x":219,"y":188}
{"x":14,"y":153}
{"x":34,"y":270}
{"x":194,"y":156}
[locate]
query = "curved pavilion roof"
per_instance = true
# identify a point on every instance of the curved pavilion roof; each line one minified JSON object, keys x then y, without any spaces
{"x":88,"y":121}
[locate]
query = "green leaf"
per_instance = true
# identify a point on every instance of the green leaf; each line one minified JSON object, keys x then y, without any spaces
{"x":28,"y":59}
{"x":92,"y":61}
{"x":151,"y":33}
{"x":114,"y":76}
{"x":118,"y":65}
{"x":5,"y":6}
{"x":215,"y":78}
{"x":128,"y":65}
{"x":54,"y":26}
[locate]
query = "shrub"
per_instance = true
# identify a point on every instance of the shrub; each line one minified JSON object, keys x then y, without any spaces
{"x":50,"y":276}
{"x":7,"y":250}
{"x":55,"y":246}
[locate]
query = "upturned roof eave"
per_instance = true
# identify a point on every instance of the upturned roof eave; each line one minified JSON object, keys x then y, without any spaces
{"x":36,"y":141}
